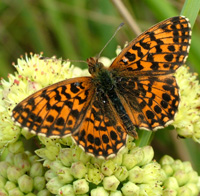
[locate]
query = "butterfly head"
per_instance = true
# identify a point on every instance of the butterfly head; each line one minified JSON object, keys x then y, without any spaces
{"x":94,"y":66}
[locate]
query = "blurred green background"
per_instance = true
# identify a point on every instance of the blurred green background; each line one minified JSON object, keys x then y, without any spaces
{"x":78,"y":29}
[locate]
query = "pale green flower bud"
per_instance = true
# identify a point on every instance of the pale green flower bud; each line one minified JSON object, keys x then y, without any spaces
{"x":181,"y":177}
{"x":118,"y":159}
{"x":67,"y":190}
{"x":84,"y":157}
{"x":108,"y":167}
{"x":168,"y":170}
{"x":15,"y":192}
{"x":193,"y":177}
{"x":47,"y":163}
{"x":111,"y":183}
{"x":94,"y":174}
{"x":80,"y":186}
{"x":65,"y":156}
{"x":39,"y":183}
{"x":3,"y":168}
{"x":32,"y":158}
{"x":56,"y":165}
{"x":194,"y":188}
{"x":44,"y":192}
{"x":150,"y":189}
{"x":36,"y":170}
{"x":78,"y":170}
{"x":2,"y":181}
{"x":65,"y":176}
{"x":49,"y":174}
{"x":50,"y":152}
{"x":130,"y":160}
{"x":148,"y":155}
{"x":16,"y":147}
{"x":184,"y":191}
{"x":99,"y":191}
{"x":130,"y":189}
{"x":9,"y":186}
{"x":136,"y":175}
{"x":121,"y":173}
{"x":116,"y":193}
{"x":21,"y":161}
{"x":10,"y":158}
{"x":169,"y":192}
{"x":14,"y":173}
{"x":177,"y":165}
{"x":171,"y":183}
{"x":166,"y":160}
{"x":153,"y":172}
{"x":76,"y":153}
{"x":25,"y":183}
{"x":53,"y":185}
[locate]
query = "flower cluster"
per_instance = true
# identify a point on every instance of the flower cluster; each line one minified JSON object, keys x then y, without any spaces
{"x":21,"y":173}
{"x":187,"y":120}
{"x":73,"y":172}
{"x":65,"y":169}
{"x":181,"y":178}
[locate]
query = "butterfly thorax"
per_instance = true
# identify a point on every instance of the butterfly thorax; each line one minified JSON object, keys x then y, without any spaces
{"x":101,"y":76}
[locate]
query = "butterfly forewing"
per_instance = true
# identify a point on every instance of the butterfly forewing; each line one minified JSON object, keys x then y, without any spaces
{"x":159,"y":50}
{"x":56,"y":110}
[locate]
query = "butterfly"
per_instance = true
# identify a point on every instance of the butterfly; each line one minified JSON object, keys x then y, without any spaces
{"x":138,"y":90}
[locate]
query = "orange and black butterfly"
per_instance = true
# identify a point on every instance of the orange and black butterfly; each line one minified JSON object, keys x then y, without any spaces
{"x":138,"y":90}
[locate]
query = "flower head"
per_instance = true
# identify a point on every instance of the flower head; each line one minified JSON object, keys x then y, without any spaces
{"x":65,"y":168}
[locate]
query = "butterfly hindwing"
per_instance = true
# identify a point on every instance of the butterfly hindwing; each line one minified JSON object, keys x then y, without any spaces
{"x":102,"y":133}
{"x":153,"y":101}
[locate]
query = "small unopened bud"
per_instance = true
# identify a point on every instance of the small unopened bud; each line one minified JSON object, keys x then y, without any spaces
{"x":66,"y":156}
{"x":16,"y":147}
{"x":15,"y":192}
{"x":9,"y":185}
{"x":3,"y":168}
{"x":130,"y":189}
{"x":14,"y":173}
{"x":25,"y":183}
{"x":80,"y":186}
{"x":36,"y":170}
{"x":21,"y":161}
{"x":99,"y":191}
{"x":78,"y":170}
{"x":108,"y":168}
{"x":66,"y":190}
{"x":110,"y":183}
{"x":65,"y":176}
{"x":39,"y":183}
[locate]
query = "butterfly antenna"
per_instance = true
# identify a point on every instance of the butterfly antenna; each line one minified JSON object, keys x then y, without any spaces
{"x":119,"y":27}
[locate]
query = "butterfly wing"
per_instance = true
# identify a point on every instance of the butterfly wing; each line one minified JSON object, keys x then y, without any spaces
{"x":57,"y":109}
{"x":143,"y":73}
{"x":152,"y":101}
{"x":72,"y":107}
{"x":102,"y":132}
{"x":161,"y":49}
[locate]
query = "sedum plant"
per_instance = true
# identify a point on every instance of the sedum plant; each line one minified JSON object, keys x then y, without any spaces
{"x":60,"y":167}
